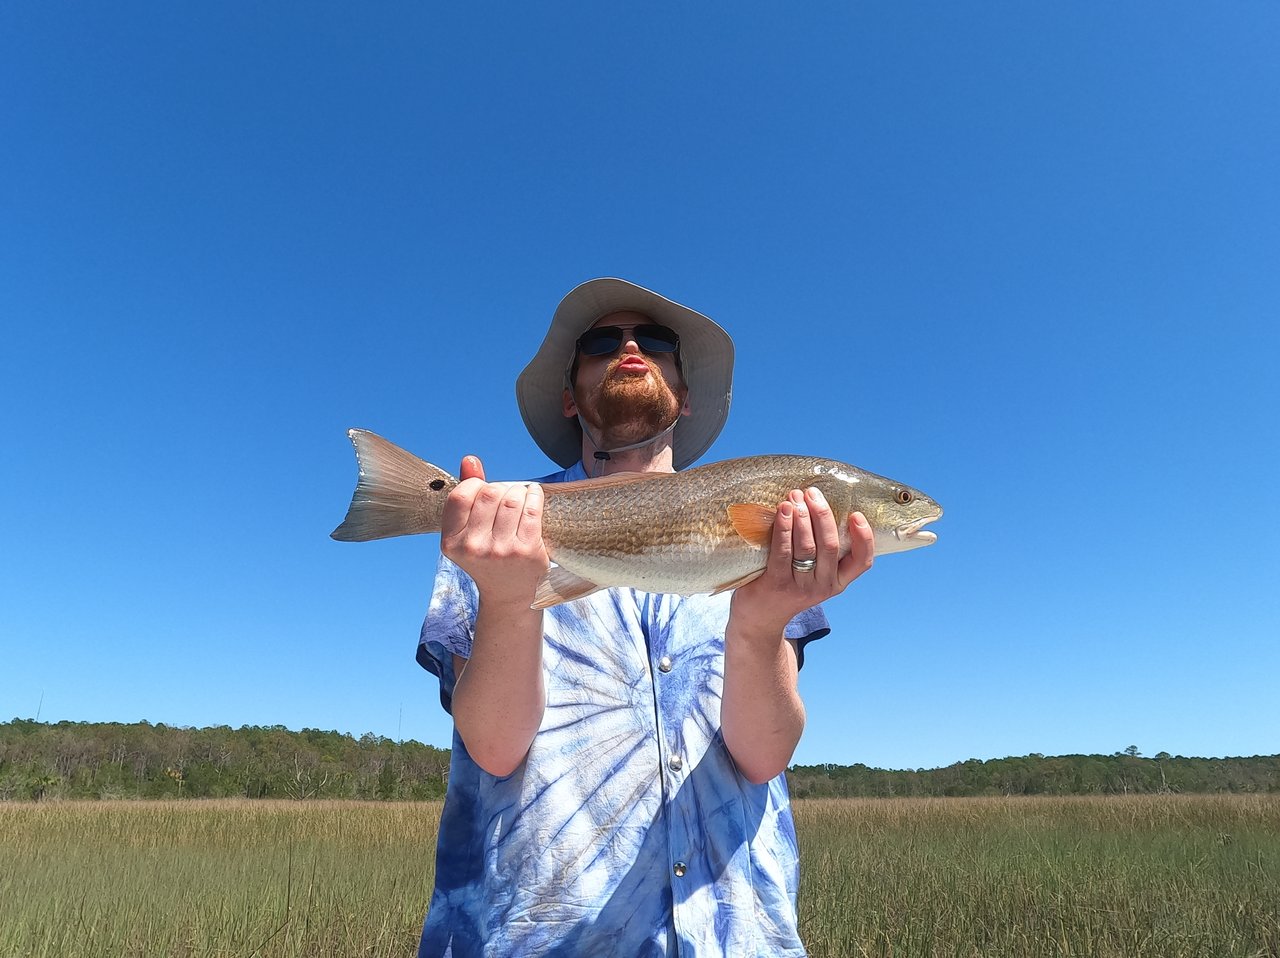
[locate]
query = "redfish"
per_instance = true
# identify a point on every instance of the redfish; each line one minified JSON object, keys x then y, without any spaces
{"x":705,"y":529}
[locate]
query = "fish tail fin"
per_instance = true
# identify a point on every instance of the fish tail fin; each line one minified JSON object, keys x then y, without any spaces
{"x":398,"y":494}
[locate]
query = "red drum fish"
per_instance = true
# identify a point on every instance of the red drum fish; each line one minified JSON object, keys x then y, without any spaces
{"x":705,"y":529}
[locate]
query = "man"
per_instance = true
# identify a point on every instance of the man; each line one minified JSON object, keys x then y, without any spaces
{"x":617,"y":779}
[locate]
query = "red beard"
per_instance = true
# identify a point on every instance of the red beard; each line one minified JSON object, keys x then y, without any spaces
{"x":628,"y":408}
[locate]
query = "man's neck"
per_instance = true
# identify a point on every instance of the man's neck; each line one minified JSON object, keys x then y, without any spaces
{"x":654,"y":458}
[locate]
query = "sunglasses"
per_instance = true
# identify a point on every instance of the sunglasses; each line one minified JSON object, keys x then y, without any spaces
{"x":650,"y":337}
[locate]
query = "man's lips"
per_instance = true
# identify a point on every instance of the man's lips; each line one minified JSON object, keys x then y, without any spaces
{"x":632,"y":364}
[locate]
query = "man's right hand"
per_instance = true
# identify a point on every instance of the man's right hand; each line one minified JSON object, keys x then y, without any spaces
{"x":493,"y":531}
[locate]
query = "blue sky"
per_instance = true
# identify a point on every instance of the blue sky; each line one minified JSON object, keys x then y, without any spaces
{"x":1020,"y":255}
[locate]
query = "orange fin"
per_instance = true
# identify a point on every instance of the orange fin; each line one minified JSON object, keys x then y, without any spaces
{"x":561,"y":585}
{"x":753,"y":522}
{"x":739,"y":583}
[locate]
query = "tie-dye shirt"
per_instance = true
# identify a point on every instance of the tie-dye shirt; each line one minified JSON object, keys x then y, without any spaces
{"x":627,"y":831}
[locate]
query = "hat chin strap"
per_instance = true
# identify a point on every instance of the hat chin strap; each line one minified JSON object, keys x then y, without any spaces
{"x":603,"y":455}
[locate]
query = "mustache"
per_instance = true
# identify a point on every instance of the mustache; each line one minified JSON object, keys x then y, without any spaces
{"x":623,"y":357}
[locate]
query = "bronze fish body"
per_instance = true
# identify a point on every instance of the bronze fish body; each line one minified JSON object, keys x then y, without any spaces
{"x":705,"y":529}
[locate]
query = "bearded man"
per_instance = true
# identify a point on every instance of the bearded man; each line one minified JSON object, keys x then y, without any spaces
{"x":616,"y":786}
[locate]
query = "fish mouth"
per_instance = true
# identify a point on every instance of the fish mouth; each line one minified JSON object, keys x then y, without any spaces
{"x":914,"y":534}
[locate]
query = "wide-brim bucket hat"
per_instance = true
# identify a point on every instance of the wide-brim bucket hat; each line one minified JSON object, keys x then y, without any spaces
{"x":706,"y":359}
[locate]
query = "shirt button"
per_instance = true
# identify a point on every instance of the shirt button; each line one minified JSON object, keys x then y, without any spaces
{"x":675,"y":763}
{"x":664,"y":664}
{"x":680,"y":868}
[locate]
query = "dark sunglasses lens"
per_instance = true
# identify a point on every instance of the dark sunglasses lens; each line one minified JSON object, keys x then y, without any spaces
{"x":600,"y":341}
{"x":657,"y":339}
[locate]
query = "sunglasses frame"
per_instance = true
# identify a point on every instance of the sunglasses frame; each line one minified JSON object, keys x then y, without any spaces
{"x":656,"y":345}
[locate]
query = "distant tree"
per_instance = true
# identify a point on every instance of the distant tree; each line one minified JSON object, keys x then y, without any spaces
{"x":178,"y":777}
{"x":41,"y":784}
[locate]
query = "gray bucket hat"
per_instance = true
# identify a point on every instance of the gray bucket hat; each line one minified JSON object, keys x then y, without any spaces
{"x":706,"y":358}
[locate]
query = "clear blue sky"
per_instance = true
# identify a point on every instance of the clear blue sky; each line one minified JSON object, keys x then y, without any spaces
{"x":1024,"y":256}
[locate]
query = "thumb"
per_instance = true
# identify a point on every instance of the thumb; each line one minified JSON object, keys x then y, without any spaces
{"x":471,"y":468}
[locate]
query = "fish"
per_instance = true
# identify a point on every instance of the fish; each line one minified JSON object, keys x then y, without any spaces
{"x":701,"y":530}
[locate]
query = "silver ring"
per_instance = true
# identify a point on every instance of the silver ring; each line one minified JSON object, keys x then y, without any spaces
{"x":803,"y":565}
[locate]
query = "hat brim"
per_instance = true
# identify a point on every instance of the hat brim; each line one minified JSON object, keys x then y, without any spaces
{"x":706,"y":357}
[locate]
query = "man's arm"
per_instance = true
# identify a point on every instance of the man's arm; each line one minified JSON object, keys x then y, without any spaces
{"x":494,"y":533}
{"x":761,"y":714}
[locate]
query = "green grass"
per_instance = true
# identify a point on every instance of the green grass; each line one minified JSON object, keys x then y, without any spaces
{"x":214,"y":878}
{"x":1162,"y":877}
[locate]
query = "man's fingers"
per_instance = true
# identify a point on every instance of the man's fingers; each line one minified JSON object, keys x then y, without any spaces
{"x":802,"y":541}
{"x":825,"y":532}
{"x":530,"y":529}
{"x":485,"y":509}
{"x":508,"y":512}
{"x":457,"y":508}
{"x":492,"y":520}
{"x":780,"y":548}
{"x":862,"y":550}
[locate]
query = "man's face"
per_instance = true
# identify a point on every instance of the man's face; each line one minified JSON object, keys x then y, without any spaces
{"x":627,"y":395}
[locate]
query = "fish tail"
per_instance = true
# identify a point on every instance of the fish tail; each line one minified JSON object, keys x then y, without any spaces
{"x":398,"y":494}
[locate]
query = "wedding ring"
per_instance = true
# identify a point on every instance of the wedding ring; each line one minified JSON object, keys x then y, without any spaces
{"x":803,"y":565}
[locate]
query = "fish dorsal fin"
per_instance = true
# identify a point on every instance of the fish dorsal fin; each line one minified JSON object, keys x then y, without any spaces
{"x":602,"y":482}
{"x":560,"y":585}
{"x":753,"y":522}
{"x":739,"y":583}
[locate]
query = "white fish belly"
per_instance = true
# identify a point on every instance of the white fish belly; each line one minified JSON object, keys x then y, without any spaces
{"x":677,"y":571}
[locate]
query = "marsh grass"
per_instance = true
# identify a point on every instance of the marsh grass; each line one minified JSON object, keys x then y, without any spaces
{"x":214,"y":878}
{"x":1138,"y":877}
{"x":1141,"y":877}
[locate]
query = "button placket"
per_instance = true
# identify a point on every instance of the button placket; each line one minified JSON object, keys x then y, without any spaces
{"x":674,"y":762}
{"x":671,"y":708}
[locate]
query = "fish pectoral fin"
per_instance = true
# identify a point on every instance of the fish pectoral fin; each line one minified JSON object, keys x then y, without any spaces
{"x":739,"y":583}
{"x":560,"y":585}
{"x":753,"y":522}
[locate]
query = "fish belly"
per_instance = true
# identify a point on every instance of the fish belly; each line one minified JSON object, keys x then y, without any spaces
{"x":680,"y":572}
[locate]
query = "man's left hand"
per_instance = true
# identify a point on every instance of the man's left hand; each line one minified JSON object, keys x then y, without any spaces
{"x":804,"y":528}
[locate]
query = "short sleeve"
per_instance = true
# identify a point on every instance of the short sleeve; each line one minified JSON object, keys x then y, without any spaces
{"x":449,"y":627}
{"x":808,"y":626}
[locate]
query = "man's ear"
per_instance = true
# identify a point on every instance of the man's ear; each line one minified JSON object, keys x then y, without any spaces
{"x":568,"y":406}
{"x":684,"y":405}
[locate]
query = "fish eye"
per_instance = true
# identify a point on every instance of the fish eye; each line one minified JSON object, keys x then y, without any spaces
{"x":437,"y":484}
{"x":904,"y":496}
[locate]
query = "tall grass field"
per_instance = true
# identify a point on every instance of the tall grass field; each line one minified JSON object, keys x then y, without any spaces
{"x":1158,"y":876}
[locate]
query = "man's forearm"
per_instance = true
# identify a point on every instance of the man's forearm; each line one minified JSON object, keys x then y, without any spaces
{"x":761,"y":714}
{"x":499,"y":696}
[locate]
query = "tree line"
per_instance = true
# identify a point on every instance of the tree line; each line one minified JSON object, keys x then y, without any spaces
{"x":141,"y":760}
{"x":1123,"y":773}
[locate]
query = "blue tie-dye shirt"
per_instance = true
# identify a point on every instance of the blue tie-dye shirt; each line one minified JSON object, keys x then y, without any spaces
{"x":627,"y":831}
